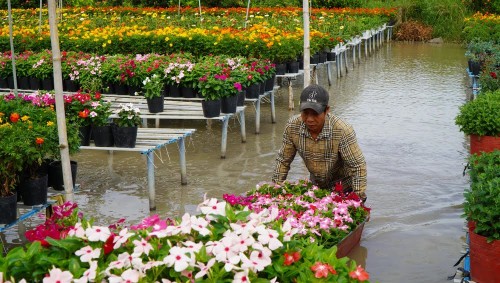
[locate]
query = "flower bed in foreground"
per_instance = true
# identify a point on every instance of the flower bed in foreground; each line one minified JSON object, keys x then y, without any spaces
{"x":253,"y":238}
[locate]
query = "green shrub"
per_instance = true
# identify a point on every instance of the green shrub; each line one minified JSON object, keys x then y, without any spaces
{"x":481,"y":115}
{"x":483,"y":196}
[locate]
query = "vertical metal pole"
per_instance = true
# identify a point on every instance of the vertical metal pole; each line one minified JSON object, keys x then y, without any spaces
{"x":40,"y":19}
{"x":257,"y":115}
{"x":223,"y":144}
{"x":151,"y":181}
{"x":337,"y":63}
{"x":307,"y":46}
{"x":242,"y":126}
{"x":246,"y":17}
{"x":273,"y":109}
{"x":329,"y":73}
{"x":290,"y":92}
{"x":61,"y":118}
{"x":182,"y":160}
{"x":201,"y":18}
{"x":12,"y":54}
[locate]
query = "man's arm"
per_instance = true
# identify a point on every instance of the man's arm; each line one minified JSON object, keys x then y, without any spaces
{"x":284,"y":158}
{"x":354,"y":161}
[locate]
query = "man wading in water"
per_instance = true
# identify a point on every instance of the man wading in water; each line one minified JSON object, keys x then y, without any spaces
{"x":325,"y":142}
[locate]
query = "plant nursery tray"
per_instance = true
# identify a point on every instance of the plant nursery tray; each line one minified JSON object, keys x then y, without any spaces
{"x":350,"y":241}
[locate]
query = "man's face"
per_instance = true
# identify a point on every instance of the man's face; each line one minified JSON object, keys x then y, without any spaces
{"x":313,"y":120}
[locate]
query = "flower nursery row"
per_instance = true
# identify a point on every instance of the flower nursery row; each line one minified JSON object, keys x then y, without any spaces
{"x":213,"y":77}
{"x":274,"y":34}
{"x":275,"y":233}
{"x":28,"y":127}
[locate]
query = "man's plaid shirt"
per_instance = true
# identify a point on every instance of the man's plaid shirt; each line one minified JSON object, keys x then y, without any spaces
{"x":334,"y":156}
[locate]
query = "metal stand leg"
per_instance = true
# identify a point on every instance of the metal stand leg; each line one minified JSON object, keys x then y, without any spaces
{"x":329,"y":73}
{"x":273,"y":109}
{"x":223,"y":144}
{"x":346,"y":63}
{"x":257,"y":115}
{"x":182,"y":160}
{"x":242,"y":127}
{"x":315,"y":73}
{"x":290,"y":94}
{"x":337,"y":64}
{"x":151,"y":181}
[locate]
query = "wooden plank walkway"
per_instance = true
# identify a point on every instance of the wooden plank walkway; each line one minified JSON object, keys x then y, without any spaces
{"x":149,"y":140}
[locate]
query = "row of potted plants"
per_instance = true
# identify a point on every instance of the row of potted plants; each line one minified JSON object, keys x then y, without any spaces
{"x":478,"y":118}
{"x":213,"y":77}
{"x":257,"y":237}
{"x":266,"y":34}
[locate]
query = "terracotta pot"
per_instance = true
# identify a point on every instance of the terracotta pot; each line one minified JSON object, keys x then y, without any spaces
{"x":480,"y":144}
{"x":484,"y":263}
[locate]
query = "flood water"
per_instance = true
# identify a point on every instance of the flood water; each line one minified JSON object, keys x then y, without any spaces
{"x":402,"y":101}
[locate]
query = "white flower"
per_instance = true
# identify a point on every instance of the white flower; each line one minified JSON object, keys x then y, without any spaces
{"x":204,"y":268}
{"x":192,"y":247}
{"x":241,"y":277}
{"x":269,"y":237}
{"x":89,"y":274}
{"x":58,"y":276}
{"x":77,"y":231}
{"x":177,"y":257}
{"x":121,"y":238}
{"x":200,"y":224}
{"x":227,"y":250}
{"x":86,"y":254}
{"x":141,"y":247}
{"x":213,"y":206}
{"x":97,"y":233}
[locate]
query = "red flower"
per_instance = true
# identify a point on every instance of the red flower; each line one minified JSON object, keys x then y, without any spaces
{"x":322,"y":269}
{"x":493,"y":75}
{"x":14,"y":117}
{"x":97,"y":95}
{"x":84,"y":114}
{"x":108,"y":246}
{"x":338,"y":187}
{"x":359,"y":274}
{"x":39,"y":140}
{"x":291,"y":258}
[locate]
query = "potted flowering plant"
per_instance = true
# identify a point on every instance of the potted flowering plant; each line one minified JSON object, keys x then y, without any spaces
{"x":100,"y":112}
{"x":216,"y":82}
{"x":77,"y":109}
{"x":5,"y":69}
{"x":180,"y":74}
{"x":29,"y":136}
{"x":481,"y":211}
{"x":89,"y":72}
{"x":125,"y":126}
{"x":153,"y":92}
{"x":42,"y":69}
{"x":479,"y":118}
{"x":220,"y":244}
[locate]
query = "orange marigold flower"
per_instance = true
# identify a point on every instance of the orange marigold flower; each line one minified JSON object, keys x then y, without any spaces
{"x":39,"y":140}
{"x":14,"y":117}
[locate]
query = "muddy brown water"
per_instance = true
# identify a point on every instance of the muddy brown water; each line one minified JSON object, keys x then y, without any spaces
{"x":402,"y":101}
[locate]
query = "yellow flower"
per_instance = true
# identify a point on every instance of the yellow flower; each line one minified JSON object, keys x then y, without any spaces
{"x":25,"y":118}
{"x":50,"y":123}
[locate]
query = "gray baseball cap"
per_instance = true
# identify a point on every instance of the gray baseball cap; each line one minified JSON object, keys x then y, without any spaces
{"x":314,"y":97}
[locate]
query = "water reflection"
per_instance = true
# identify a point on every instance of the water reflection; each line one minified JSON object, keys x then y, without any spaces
{"x":402,"y":101}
